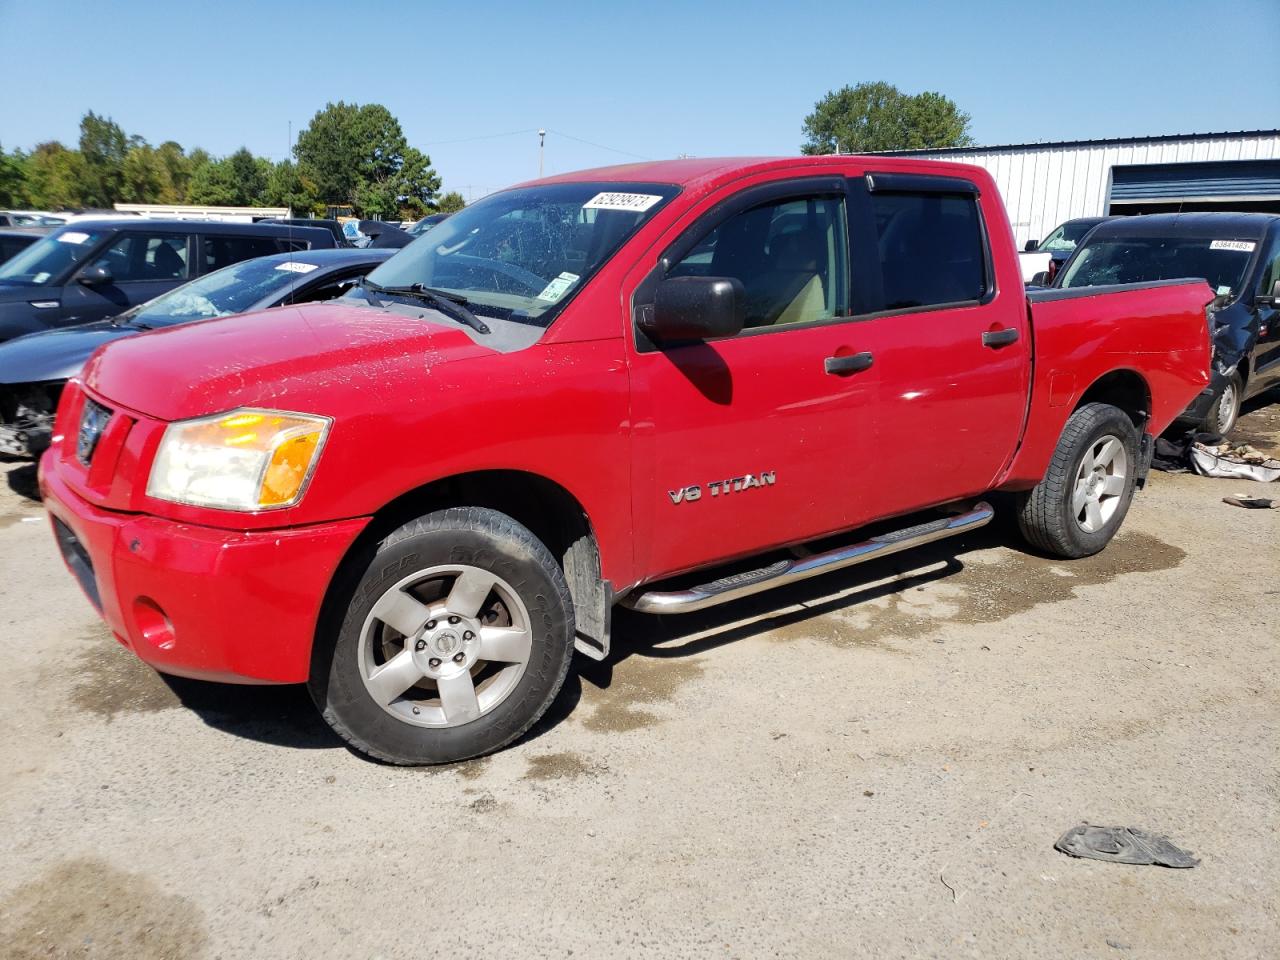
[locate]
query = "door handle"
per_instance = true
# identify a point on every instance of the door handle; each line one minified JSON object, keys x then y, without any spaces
{"x":839,"y":366}
{"x":1000,"y":338}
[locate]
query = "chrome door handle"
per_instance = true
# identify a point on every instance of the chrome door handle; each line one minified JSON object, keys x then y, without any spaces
{"x":1000,"y":338}
{"x":840,"y":366}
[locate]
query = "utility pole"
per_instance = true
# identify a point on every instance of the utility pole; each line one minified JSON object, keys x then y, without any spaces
{"x":542,"y":139}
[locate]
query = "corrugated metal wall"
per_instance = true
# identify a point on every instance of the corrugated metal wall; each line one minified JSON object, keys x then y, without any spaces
{"x":1044,"y":184}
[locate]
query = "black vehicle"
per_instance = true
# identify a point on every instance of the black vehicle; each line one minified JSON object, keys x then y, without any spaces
{"x":34,"y":368}
{"x":333,"y":226}
{"x":420,"y":227}
{"x":1238,"y":254}
{"x":89,"y":271}
{"x":13,"y":240}
{"x":1059,"y":245}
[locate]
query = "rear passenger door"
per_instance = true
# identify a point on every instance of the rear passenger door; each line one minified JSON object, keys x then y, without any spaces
{"x":143,"y":265}
{"x":950,"y":350}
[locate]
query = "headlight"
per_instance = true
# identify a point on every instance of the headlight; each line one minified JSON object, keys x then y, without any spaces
{"x":242,"y":460}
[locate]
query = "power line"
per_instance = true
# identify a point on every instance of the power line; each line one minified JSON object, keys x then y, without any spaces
{"x":601,"y":146}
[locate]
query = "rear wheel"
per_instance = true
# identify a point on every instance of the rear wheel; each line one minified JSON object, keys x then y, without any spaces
{"x":1222,"y":416}
{"x":1080,"y":504}
{"x":455,"y":641}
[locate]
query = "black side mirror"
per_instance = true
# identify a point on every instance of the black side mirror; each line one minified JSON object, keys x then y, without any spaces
{"x":1032,"y":246}
{"x":1041,"y":279}
{"x":96,"y":275}
{"x":695,"y":308}
{"x":1271,"y":299}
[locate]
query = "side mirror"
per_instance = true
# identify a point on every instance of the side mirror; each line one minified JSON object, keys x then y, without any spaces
{"x":695,"y":308}
{"x":1271,"y":299}
{"x":1041,"y":279}
{"x":96,"y":275}
{"x":1032,"y":246}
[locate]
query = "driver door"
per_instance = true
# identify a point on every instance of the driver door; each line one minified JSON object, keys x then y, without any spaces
{"x":749,"y":442}
{"x":143,"y":266}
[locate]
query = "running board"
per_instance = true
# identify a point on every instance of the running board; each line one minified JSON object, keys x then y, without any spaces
{"x":738,"y":585}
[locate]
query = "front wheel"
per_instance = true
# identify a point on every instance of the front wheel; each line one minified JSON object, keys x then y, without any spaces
{"x":1222,"y":416}
{"x":455,"y":640}
{"x":1078,"y":507}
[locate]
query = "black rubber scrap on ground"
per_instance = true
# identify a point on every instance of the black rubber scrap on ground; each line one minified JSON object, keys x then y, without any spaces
{"x":1123,"y":845}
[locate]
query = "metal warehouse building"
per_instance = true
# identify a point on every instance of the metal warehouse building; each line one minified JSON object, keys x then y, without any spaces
{"x":1046,"y":183}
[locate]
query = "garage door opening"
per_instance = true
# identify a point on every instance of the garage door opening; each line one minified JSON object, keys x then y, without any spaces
{"x":1239,"y":185}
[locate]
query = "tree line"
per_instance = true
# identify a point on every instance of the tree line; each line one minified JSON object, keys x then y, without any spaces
{"x":349,"y":155}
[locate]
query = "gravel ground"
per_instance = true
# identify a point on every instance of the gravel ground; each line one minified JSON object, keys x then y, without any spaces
{"x":875,"y":764}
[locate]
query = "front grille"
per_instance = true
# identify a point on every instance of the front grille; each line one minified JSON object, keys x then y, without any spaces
{"x":77,"y":560}
{"x":93,"y":420}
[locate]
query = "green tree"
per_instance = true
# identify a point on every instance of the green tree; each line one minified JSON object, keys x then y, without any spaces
{"x":358,"y":155}
{"x":177,"y":167}
{"x":144,"y":174}
{"x":287,"y":187}
{"x":56,"y":177}
{"x":13,"y":179}
{"x":240,"y":180}
{"x":451,"y":202}
{"x":103,"y":147}
{"x":878,"y":116}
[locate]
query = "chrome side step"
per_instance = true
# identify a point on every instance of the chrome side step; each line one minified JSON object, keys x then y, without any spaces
{"x":738,"y":585}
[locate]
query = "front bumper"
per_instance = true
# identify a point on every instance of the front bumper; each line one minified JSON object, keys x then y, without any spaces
{"x":196,"y":601}
{"x":1198,"y":409}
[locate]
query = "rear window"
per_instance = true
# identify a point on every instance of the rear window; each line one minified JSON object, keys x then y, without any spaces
{"x":218,"y":252}
{"x":931,"y":249}
{"x":1220,"y":262}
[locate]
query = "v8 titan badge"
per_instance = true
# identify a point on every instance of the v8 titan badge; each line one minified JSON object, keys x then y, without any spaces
{"x":722,"y":488}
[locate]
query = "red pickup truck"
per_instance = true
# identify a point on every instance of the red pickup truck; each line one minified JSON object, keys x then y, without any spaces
{"x":648,"y":385}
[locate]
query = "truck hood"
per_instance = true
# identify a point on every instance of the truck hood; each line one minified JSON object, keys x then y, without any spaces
{"x":318,"y":358}
{"x":55,"y":354}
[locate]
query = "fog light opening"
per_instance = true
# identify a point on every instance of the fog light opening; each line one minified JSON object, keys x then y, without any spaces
{"x":153,"y":625}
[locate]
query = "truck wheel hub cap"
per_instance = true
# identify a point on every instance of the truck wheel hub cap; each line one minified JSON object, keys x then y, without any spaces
{"x":1101,"y":481}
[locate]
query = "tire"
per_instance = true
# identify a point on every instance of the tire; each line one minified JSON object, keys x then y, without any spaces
{"x":478,"y":604}
{"x":1074,"y":512}
{"x":1222,"y":416}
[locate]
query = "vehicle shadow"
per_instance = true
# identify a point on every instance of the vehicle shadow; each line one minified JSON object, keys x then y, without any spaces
{"x":675,"y":636}
{"x":22,"y":479}
{"x":282,"y":716}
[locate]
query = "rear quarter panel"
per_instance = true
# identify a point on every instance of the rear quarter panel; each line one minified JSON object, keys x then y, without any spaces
{"x":1157,"y":331}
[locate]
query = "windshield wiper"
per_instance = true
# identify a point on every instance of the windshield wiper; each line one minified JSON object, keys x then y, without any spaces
{"x":452,"y":304}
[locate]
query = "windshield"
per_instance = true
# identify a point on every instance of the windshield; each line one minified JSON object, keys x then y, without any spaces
{"x":521,"y":255}
{"x":232,"y":289}
{"x":1065,"y":238}
{"x":49,"y":258}
{"x":1141,"y":259}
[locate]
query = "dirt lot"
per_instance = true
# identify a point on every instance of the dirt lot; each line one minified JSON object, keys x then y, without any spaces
{"x":876,"y":765}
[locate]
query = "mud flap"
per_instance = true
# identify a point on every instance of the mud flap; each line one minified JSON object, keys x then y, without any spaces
{"x":1146,"y":451}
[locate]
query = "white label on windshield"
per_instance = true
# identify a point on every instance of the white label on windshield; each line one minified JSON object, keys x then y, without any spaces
{"x":74,"y":236}
{"x":556,"y":289}
{"x":40,"y":277}
{"x":294,"y":267}
{"x":631,"y":202}
{"x":1223,"y":291}
{"x":1244,"y":246}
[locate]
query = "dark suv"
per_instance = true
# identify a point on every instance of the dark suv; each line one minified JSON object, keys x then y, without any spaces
{"x":93,"y":270}
{"x":1238,"y":254}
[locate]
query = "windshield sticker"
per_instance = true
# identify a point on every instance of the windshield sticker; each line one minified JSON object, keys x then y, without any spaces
{"x":556,"y":289}
{"x":74,"y":236}
{"x":1243,"y":246}
{"x":40,"y":277}
{"x":631,"y":202}
{"x":295,"y":267}
{"x":1223,"y":291}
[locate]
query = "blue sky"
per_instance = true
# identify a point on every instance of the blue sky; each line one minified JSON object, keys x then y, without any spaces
{"x":645,"y":80}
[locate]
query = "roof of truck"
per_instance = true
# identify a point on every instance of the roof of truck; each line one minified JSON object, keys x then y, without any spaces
{"x":1208,"y":225}
{"x":702,"y":171}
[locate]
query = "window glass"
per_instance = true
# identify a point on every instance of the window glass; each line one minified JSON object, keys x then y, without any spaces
{"x":789,"y":256}
{"x":49,"y":258}
{"x":1115,"y":259}
{"x":1270,"y":269}
{"x":232,"y":289}
{"x":219,"y":252}
{"x":522,"y":254}
{"x":931,"y":249}
{"x":137,"y":256}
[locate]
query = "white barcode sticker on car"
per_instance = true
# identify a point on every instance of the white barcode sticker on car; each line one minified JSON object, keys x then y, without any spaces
{"x":294,"y":267}
{"x":1243,"y":246}
{"x":557,"y":288}
{"x":631,"y":202}
{"x":72,"y":236}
